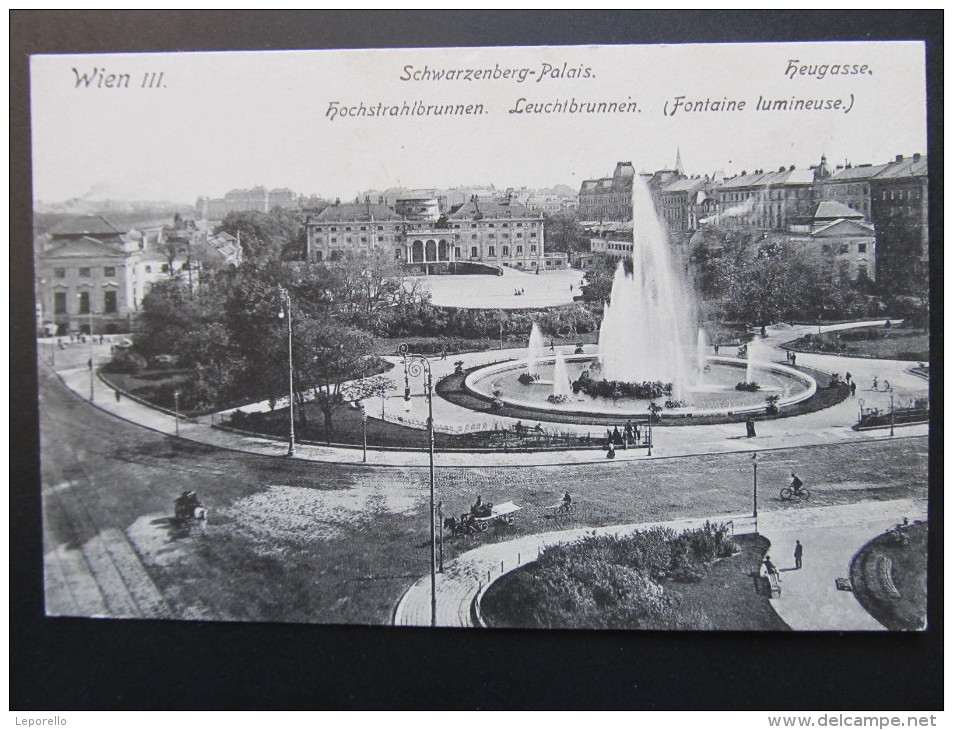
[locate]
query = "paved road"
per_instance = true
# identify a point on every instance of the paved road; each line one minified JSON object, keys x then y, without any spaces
{"x":109,"y":484}
{"x":809,"y":599}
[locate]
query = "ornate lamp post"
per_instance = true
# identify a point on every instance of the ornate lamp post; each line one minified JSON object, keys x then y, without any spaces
{"x":415,"y":365}
{"x":286,"y":296}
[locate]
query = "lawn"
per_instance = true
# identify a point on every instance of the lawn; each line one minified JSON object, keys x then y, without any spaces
{"x":889,"y":343}
{"x":728,"y":597}
{"x":889,"y":577}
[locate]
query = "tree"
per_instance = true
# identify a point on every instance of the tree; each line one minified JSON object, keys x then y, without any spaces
{"x":327,"y":355}
{"x":598,"y":282}
{"x":564,"y":232}
{"x":265,"y":236}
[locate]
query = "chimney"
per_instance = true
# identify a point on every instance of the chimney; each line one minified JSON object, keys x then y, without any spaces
{"x":337,"y":201}
{"x":899,"y":158}
{"x":916,"y":156}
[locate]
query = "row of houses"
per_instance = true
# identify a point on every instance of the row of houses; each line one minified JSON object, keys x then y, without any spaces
{"x":890,"y":199}
{"x":92,"y":275}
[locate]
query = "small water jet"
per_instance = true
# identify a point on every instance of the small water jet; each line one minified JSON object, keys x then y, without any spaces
{"x":535,"y":350}
{"x":562,"y":387}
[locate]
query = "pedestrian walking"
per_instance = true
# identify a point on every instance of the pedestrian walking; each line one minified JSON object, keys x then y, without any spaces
{"x":874,"y":386}
{"x":749,"y":427}
{"x":853,"y":389}
{"x":118,"y":395}
{"x":716,"y":348}
{"x":793,"y":358}
{"x":847,"y":377}
{"x":798,"y":554}
{"x":887,"y":386}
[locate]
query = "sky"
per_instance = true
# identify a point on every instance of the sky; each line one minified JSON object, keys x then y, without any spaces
{"x":219,"y":121}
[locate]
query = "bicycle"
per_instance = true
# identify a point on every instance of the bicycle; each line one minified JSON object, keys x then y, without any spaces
{"x":789,"y":493}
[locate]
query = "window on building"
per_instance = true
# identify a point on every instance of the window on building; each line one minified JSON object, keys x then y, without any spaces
{"x":59,"y":273}
{"x":380,"y":228}
{"x":456,"y":252}
{"x":347,"y":228}
{"x":165,"y":268}
{"x":59,"y":302}
{"x":109,"y":302}
{"x":109,"y":271}
{"x":519,"y":250}
{"x":532,"y":249}
{"x":85,"y":271}
{"x":335,"y":255}
{"x":333,"y":228}
{"x":845,"y":248}
{"x":491,"y":251}
{"x":491,"y":235}
{"x":334,"y":239}
{"x":318,"y":255}
{"x":532,"y":235}
{"x":363,"y":239}
{"x":491,"y":225}
{"x":519,"y":235}
{"x":861,"y":248}
{"x":363,"y":228}
{"x":398,"y":254}
{"x":148,"y":269}
{"x":473,"y":236}
{"x":473,"y":251}
{"x":506,"y":250}
{"x":84,"y":302}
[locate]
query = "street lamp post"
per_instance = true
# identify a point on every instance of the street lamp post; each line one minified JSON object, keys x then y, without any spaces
{"x":291,"y":374}
{"x":175,"y":396}
{"x":891,"y":414}
{"x":415,"y":365}
{"x":382,"y":390}
{"x":501,"y":336}
{"x":440,"y":523}
{"x":364,"y":429}
{"x":89,"y":311}
{"x":754,"y":464}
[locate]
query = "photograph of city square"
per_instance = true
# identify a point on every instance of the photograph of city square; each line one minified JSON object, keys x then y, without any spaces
{"x":535,"y":338}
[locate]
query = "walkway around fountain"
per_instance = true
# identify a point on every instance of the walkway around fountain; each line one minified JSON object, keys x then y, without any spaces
{"x":827,"y":426}
{"x":809,"y":600}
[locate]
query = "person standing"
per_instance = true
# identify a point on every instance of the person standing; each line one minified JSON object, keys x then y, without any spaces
{"x":874,"y":386}
{"x":853,"y":388}
{"x":793,"y":358}
{"x":798,"y":554}
{"x":847,"y":377}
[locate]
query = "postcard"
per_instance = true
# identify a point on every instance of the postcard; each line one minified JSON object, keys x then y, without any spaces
{"x":591,"y":337}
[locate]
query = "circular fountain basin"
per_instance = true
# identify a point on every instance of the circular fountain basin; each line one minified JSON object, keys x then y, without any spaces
{"x":713,"y":395}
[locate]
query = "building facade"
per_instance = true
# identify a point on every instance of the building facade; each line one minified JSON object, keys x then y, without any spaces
{"x":608,"y":198}
{"x":256,"y":199}
{"x":497,"y":232}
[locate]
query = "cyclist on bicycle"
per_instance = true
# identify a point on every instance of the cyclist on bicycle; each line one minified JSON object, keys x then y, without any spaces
{"x":796,"y":484}
{"x":567,"y":500}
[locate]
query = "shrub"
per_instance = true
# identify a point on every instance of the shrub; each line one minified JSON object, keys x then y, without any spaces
{"x":672,"y":403}
{"x":558,"y":398}
{"x":528,"y":378}
{"x":748,"y":387}
{"x":616,"y":389}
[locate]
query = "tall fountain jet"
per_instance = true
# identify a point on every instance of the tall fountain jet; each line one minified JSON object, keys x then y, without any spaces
{"x":561,"y":383}
{"x":536,"y":349}
{"x":645,"y":332}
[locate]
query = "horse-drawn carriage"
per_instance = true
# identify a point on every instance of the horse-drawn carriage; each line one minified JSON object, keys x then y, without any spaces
{"x":480,"y":518}
{"x":190,"y":511}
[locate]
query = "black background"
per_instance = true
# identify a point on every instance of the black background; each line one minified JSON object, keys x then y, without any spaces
{"x":142,"y":665}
